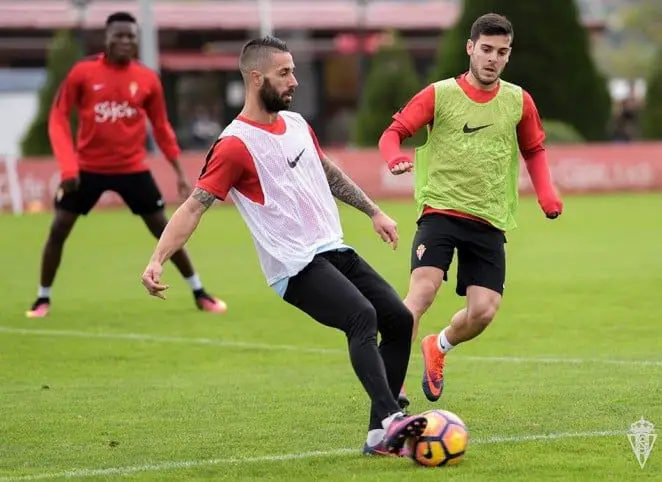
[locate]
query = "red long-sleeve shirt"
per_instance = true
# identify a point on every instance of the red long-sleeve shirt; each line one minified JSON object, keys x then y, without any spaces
{"x":419,"y":112}
{"x":113,"y":103}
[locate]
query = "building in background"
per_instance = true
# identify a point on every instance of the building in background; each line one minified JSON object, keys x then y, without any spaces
{"x":199,"y":41}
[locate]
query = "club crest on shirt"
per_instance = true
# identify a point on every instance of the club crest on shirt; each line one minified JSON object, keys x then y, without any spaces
{"x":133,"y":88}
{"x":419,"y":251}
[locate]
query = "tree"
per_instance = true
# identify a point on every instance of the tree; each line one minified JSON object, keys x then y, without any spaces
{"x":390,"y":83}
{"x":64,"y":52}
{"x":651,"y":121}
{"x":628,"y":48}
{"x":550,"y":59}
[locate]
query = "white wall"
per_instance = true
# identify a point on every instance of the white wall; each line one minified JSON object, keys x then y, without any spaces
{"x":17,"y":110}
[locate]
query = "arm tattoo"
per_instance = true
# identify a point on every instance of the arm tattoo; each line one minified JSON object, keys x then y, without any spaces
{"x":346,"y":190}
{"x":203,"y":197}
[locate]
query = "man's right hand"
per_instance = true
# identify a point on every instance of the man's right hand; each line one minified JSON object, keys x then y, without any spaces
{"x":400,"y":165}
{"x":70,"y":185}
{"x":151,"y":279}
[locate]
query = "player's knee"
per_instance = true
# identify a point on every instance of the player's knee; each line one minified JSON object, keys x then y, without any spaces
{"x":482,"y":312}
{"x":363,"y":322}
{"x":422,"y":293}
{"x":59,"y":233}
{"x":404,"y":321}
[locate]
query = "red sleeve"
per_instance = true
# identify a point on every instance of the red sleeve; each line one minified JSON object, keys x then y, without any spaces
{"x":418,"y":113}
{"x":164,"y":134}
{"x":540,"y":176}
{"x":320,"y":152}
{"x":530,"y":133}
{"x":530,"y":136}
{"x":59,"y":126}
{"x":226,"y":162}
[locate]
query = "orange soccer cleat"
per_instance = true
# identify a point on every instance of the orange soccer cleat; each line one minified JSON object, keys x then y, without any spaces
{"x":205,"y":302}
{"x":39,"y":308}
{"x":433,"y":371}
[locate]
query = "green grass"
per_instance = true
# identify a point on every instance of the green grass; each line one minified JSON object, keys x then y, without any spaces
{"x":224,"y":393}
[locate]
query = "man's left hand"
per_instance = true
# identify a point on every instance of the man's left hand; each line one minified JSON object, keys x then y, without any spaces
{"x":386,"y":228}
{"x":552,"y":207}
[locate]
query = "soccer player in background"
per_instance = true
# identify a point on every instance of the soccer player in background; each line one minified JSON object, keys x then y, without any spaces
{"x":270,"y":163}
{"x":466,"y":186}
{"x":114,"y":96}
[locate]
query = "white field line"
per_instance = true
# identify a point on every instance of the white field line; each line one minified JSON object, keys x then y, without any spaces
{"x":188,"y":464}
{"x":303,"y":349}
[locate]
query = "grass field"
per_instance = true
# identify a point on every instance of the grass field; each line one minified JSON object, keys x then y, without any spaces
{"x":115,"y":384}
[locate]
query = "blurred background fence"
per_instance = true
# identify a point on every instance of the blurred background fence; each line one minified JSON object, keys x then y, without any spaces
{"x":594,"y":68}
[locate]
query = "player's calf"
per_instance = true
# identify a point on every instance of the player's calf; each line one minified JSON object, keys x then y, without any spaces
{"x":61,"y":226}
{"x":424,"y":284}
{"x":482,"y":307}
{"x":481,"y":314}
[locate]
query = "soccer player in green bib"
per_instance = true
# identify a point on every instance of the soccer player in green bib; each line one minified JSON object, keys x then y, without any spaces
{"x":466,"y":187}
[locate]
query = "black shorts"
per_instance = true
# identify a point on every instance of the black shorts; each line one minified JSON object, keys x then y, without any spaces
{"x":481,"y":253}
{"x":138,"y":190}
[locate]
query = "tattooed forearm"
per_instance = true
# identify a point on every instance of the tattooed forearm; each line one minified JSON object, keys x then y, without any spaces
{"x":203,"y":197}
{"x":346,"y":190}
{"x":182,"y":224}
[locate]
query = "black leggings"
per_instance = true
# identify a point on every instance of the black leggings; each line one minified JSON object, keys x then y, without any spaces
{"x":339,"y":289}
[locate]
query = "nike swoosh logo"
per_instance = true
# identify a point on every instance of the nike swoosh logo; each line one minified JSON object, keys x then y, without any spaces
{"x":293,"y":163}
{"x":468,"y":130}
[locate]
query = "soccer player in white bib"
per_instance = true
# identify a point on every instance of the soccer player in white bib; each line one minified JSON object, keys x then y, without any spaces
{"x":269,"y":162}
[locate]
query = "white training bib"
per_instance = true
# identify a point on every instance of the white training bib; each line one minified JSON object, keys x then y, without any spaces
{"x":299,"y":214}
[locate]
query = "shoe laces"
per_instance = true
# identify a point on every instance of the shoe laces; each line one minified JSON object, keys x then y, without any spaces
{"x":438,"y":366}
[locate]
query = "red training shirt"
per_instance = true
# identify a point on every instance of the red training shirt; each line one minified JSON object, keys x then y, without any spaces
{"x":230,"y":165}
{"x":419,"y":112}
{"x":113,"y":103}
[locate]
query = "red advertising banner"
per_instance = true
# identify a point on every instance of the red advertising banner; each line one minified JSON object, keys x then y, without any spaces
{"x":579,"y":169}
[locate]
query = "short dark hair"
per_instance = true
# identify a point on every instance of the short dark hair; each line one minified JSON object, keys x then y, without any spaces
{"x":120,"y":17}
{"x":491,"y":24}
{"x":255,"y":51}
